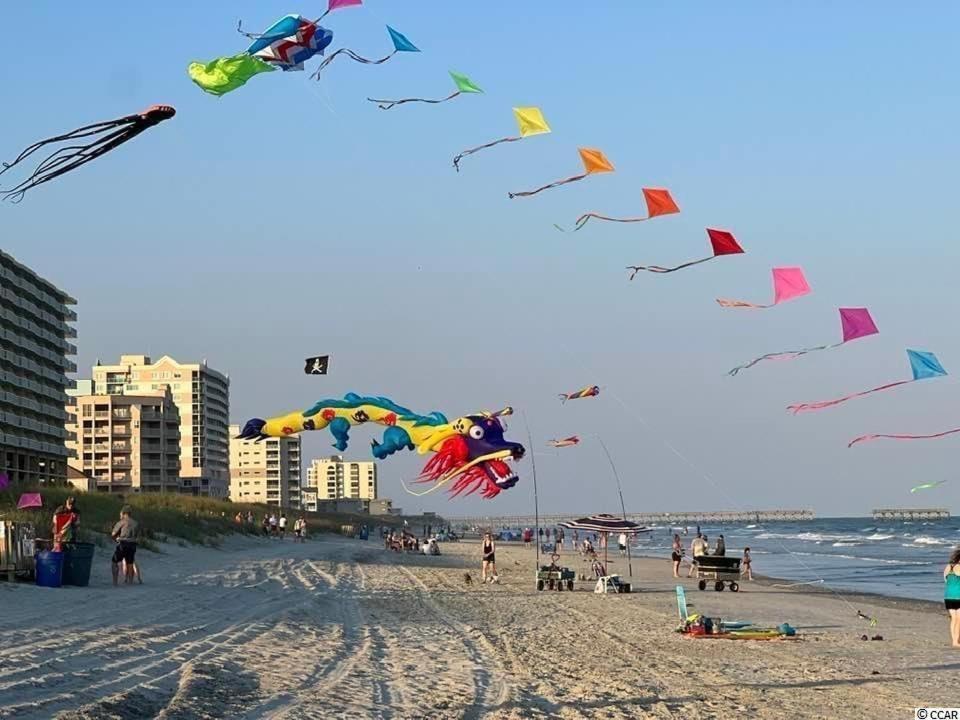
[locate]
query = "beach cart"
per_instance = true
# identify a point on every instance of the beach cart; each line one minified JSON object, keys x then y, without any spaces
{"x":554,"y":577}
{"x":718,"y":569}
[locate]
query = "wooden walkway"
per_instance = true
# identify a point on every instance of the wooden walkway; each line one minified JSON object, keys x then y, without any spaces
{"x":676,"y":519}
{"x":911,"y":514}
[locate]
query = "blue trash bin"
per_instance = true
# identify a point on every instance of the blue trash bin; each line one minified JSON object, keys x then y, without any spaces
{"x":49,"y":569}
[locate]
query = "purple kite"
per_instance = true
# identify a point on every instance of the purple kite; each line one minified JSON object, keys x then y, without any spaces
{"x":788,"y":283}
{"x":29,"y":500}
{"x":4,"y":481}
{"x":924,"y":366}
{"x":856,"y":323}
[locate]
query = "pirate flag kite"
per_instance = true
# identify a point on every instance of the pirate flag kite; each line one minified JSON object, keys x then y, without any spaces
{"x":316,"y":365}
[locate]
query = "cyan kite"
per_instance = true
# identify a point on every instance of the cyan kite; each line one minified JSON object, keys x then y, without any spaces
{"x":855,"y":323}
{"x":400,"y":44}
{"x":924,"y":365}
{"x":530,"y":121}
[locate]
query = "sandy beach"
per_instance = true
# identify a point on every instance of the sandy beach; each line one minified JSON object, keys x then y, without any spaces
{"x":342,"y":628}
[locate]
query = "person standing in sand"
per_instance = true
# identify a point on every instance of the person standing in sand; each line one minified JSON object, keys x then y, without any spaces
{"x":676,"y":555}
{"x":745,"y":569}
{"x":698,"y":547}
{"x":622,"y":544}
{"x":489,"y":559}
{"x":125,"y":533}
{"x":951,"y":595}
{"x":721,"y":547}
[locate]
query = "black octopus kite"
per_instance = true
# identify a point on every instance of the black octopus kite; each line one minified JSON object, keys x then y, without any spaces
{"x":108,"y":134}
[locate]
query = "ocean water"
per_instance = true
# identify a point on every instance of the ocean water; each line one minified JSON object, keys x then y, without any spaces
{"x":896,"y":558}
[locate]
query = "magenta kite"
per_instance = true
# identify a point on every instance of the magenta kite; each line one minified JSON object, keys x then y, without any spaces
{"x":855,"y":322}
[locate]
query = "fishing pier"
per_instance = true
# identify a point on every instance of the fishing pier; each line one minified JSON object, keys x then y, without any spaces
{"x":673,"y":519}
{"x":911,"y":514}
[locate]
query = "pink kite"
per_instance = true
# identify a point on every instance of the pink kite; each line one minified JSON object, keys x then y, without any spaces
{"x":29,"y":500}
{"x":337,"y":4}
{"x":788,"y":283}
{"x":923,"y":366}
{"x":723,"y":243}
{"x":856,"y":323}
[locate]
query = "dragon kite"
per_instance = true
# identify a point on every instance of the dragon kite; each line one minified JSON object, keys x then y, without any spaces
{"x":470,"y":451}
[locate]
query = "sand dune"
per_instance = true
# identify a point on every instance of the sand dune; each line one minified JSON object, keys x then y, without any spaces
{"x":340,"y":628}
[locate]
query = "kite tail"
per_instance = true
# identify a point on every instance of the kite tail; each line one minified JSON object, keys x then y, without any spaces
{"x":585,"y":218}
{"x":528,"y":193}
{"x":471,"y":151}
{"x":740,"y":304}
{"x":865,"y":438}
{"x":660,"y":269}
{"x":803,"y":407}
{"x":563,"y":398}
{"x":387,"y":104}
{"x":353,"y":56}
{"x":786,"y":355}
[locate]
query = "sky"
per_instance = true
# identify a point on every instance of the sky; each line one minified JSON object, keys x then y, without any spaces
{"x":293,"y":218}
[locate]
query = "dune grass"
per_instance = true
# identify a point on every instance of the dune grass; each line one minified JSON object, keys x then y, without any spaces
{"x":184,"y":518}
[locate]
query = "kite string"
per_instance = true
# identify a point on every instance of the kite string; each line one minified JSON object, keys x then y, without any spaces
{"x":630,"y":411}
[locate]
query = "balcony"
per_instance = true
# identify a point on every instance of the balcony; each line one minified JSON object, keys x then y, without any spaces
{"x":121,"y":430}
{"x":119,"y":413}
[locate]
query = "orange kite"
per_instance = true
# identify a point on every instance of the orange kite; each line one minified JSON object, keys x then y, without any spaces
{"x":594,"y":161}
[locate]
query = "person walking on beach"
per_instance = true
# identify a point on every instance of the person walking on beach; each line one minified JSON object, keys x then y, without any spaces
{"x":489,"y":559}
{"x":622,"y":544}
{"x":125,"y":533}
{"x":283,"y":525}
{"x":576,"y":540}
{"x":721,"y":548}
{"x":676,"y":555}
{"x":745,"y":569}
{"x":273,"y":524}
{"x":559,"y":539}
{"x":698,"y":547}
{"x":951,"y":595}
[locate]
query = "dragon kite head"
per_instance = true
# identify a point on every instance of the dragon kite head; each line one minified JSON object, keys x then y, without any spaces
{"x":473,"y":453}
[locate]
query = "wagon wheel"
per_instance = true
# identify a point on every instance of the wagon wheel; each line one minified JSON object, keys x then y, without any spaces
{"x":734,"y":587}
{"x":539,"y":584}
{"x":570,"y":585}
{"x":702,"y":584}
{"x":718,"y":586}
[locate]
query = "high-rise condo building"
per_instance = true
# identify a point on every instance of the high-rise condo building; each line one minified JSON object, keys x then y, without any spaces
{"x":265,"y":472}
{"x":335,"y":478}
{"x":34,"y":363}
{"x":126,"y":442}
{"x":201,"y":394}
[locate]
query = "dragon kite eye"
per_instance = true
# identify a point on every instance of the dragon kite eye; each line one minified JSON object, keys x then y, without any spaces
{"x":476,"y":432}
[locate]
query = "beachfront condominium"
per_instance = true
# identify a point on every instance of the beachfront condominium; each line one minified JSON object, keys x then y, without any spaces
{"x":335,"y":478}
{"x":126,"y":443}
{"x":34,"y":362}
{"x":202,"y":396}
{"x":265,"y":472}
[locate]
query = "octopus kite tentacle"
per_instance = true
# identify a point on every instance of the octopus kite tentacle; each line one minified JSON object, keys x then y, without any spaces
{"x":70,"y":157}
{"x":353,"y":56}
{"x":387,"y":104}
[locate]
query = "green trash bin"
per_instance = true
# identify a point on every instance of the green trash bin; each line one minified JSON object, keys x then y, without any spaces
{"x":77,"y":563}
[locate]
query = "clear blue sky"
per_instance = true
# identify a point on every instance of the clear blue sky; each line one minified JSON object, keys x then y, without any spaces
{"x":290,"y":218}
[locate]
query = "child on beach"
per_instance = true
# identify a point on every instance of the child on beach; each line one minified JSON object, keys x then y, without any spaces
{"x":745,"y":569}
{"x":951,"y":595}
